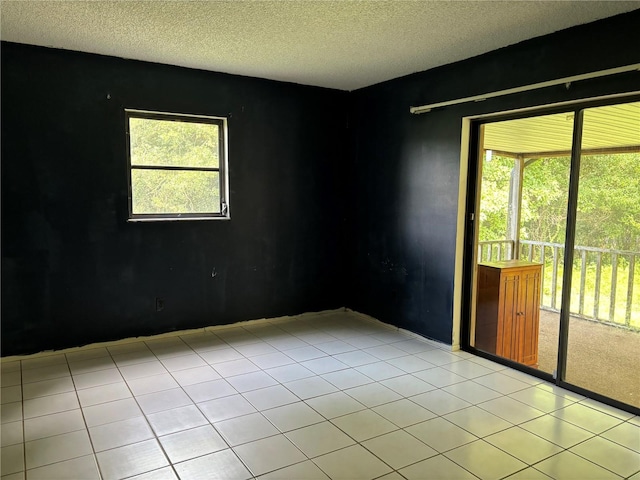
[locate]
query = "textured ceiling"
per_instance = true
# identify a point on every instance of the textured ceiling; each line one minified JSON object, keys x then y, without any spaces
{"x":338,"y":44}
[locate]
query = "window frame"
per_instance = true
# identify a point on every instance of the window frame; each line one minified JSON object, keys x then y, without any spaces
{"x":222,"y":168}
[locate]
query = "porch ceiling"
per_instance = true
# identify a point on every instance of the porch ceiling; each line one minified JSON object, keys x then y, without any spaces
{"x":614,"y":127}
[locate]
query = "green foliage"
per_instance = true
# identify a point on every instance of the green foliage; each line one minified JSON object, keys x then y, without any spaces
{"x":162,"y":191}
{"x":608,"y":200}
{"x":170,"y":143}
{"x":545,"y":189}
{"x":545,"y":192}
{"x":164,"y":143}
{"x":494,"y":198}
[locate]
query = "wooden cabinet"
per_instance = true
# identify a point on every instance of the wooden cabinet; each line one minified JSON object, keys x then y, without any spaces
{"x":508,"y":309}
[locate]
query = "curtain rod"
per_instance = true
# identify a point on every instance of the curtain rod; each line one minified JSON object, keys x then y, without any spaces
{"x":526,"y":88}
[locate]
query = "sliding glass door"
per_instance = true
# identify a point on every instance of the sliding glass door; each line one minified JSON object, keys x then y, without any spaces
{"x":556,"y":246}
{"x":603,"y":350}
{"x":521,"y":218}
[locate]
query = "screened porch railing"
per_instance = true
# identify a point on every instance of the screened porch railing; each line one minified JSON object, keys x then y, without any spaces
{"x":606,"y":279}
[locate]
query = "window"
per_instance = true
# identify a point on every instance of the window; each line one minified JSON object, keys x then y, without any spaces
{"x":177,"y":166}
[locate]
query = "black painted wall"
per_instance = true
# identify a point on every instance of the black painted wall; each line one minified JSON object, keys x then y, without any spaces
{"x":323,"y":215}
{"x":405,"y":195}
{"x":74,"y":271}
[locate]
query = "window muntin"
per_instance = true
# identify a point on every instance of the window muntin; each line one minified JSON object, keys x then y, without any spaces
{"x":177,"y":166}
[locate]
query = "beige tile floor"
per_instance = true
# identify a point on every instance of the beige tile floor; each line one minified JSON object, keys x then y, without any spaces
{"x":331,"y":395}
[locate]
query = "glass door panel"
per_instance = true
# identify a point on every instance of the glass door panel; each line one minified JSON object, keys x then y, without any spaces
{"x":521,"y":216}
{"x":603,"y":352}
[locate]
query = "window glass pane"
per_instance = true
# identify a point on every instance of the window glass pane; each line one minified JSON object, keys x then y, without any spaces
{"x":522,"y":221}
{"x":173,"y":192}
{"x":604,"y":322}
{"x":173,"y":143}
{"x":494,"y":202}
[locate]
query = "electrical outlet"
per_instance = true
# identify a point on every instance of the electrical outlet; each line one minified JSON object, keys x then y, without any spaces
{"x":159,"y":304}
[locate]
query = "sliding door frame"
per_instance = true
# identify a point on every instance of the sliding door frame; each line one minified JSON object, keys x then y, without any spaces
{"x":469,"y":257}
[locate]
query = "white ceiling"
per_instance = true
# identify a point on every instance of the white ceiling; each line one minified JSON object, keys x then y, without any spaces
{"x":339,"y":44}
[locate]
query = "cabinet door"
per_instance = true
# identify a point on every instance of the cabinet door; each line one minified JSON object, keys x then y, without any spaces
{"x":509,"y":287}
{"x":528,"y":317}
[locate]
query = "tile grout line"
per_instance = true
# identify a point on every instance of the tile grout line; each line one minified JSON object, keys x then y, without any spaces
{"x":200,"y":410}
{"x":359,"y":443}
{"x":344,"y":391}
{"x":405,"y":397}
{"x":303,"y":401}
{"x":280,"y":433}
{"x":370,"y":408}
{"x":95,"y":453}
{"x":155,"y":435}
{"x":84,"y":419}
